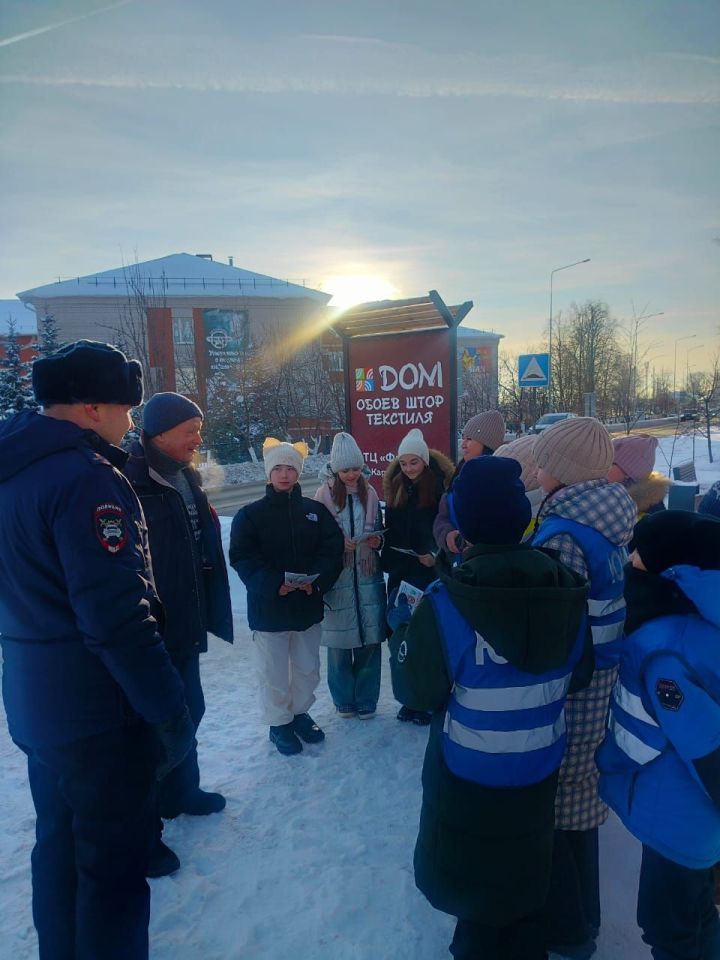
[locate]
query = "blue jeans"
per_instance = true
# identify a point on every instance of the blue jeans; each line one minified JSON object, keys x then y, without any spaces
{"x":95,"y":801}
{"x":676,"y":911}
{"x":354,"y":677}
{"x":184,"y":780}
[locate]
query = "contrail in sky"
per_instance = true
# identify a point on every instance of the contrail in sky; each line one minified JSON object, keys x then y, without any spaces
{"x":62,"y":23}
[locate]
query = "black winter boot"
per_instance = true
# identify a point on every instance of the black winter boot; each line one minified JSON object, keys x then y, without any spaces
{"x":306,"y":728}
{"x":162,"y":861}
{"x":285,"y":740}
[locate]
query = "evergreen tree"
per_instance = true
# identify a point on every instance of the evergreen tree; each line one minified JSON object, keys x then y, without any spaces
{"x":15,"y":378}
{"x":48,"y":336}
{"x":221,"y":426}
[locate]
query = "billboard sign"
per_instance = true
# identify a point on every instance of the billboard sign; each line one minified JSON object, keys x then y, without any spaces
{"x":226,"y":337}
{"x":397,"y":382}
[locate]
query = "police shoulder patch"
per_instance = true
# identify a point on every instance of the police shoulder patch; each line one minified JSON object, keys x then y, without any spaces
{"x":111,"y":527}
{"x":669,"y":694}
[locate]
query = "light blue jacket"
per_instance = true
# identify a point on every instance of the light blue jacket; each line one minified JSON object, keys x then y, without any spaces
{"x":355,"y":607}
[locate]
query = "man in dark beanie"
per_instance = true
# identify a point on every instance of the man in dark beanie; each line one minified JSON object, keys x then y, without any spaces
{"x":492,"y":649}
{"x":660,"y":760}
{"x":88,"y":685}
{"x":190,"y":575}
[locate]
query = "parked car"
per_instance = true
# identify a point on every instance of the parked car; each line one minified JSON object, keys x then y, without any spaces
{"x":550,"y":419}
{"x":690,"y":415}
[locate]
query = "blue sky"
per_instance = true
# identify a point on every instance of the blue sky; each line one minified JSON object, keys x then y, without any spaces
{"x":471,"y":147}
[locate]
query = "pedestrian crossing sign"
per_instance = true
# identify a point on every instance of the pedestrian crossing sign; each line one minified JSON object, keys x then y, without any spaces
{"x":534,"y":369}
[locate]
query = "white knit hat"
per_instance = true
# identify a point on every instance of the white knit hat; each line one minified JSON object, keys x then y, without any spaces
{"x":345,"y":454}
{"x":413,"y":443}
{"x":278,"y":453}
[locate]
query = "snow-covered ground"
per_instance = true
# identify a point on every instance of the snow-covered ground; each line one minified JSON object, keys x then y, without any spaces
{"x":312,"y":858}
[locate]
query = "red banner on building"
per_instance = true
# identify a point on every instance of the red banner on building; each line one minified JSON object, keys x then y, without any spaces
{"x":397,"y":382}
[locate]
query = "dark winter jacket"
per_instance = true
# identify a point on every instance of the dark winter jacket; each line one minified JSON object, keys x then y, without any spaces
{"x":80,"y":644}
{"x":484,"y":853}
{"x":191,"y":579}
{"x":285,"y":532}
{"x":411,"y":526}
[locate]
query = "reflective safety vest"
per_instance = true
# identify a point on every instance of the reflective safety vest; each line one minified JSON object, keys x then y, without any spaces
{"x":606,"y":603}
{"x":504,"y":727}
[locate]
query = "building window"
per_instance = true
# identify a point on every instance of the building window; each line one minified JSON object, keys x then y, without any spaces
{"x":183,"y":332}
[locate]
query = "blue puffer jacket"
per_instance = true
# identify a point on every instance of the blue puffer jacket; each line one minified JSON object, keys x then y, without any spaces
{"x":80,"y":644}
{"x":193,"y":585}
{"x":665,"y":714}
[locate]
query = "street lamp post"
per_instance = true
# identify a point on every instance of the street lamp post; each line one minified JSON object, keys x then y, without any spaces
{"x":688,"y":336}
{"x":697,"y":346}
{"x":552,"y":274}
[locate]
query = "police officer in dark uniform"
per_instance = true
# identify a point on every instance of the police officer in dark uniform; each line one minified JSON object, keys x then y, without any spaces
{"x":89,"y":689}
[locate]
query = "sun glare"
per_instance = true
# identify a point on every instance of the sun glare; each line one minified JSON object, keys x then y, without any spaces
{"x":349,"y":289}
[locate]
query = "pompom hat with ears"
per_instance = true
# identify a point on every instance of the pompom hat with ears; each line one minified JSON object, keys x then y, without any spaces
{"x":87,"y":371}
{"x":277,"y":453}
{"x":635,"y":455}
{"x":487,"y":428}
{"x":413,"y":443}
{"x":575,"y":450}
{"x":522,"y":451}
{"x":345,"y":454}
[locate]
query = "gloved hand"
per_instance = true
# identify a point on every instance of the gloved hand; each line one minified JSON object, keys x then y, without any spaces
{"x":398,"y":611}
{"x":177,"y":737}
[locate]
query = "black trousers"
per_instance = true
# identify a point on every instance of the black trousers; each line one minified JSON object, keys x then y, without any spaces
{"x":572,"y":908}
{"x":676,"y":911}
{"x":522,"y":940}
{"x":95,"y":801}
{"x":184,"y":780}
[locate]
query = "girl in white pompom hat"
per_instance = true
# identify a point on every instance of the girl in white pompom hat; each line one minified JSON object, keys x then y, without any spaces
{"x":285,"y":533}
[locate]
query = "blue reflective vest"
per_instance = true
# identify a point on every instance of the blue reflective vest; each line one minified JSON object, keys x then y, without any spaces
{"x":504,"y":727}
{"x":656,"y":793}
{"x":606,"y":603}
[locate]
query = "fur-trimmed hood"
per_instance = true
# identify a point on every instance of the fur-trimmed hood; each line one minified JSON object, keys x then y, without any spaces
{"x":441,"y":466}
{"x":650,"y":491}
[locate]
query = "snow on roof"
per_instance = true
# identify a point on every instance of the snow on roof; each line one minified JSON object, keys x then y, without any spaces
{"x":471,"y":333}
{"x":179,"y":275}
{"x":24,"y":317}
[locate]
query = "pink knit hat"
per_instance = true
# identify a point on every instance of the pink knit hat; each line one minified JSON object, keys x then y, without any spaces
{"x":522,"y":451}
{"x":487,"y":428}
{"x":575,"y":450}
{"x":635,"y":455}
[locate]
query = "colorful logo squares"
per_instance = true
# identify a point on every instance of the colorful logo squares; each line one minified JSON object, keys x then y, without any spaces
{"x":364,"y":379}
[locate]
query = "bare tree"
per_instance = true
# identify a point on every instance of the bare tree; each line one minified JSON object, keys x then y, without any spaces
{"x":706,"y":386}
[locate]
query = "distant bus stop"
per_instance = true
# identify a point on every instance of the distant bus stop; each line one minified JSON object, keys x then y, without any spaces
{"x":400,"y":365}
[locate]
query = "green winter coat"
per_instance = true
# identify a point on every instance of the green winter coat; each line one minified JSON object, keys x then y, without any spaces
{"x":484,"y":853}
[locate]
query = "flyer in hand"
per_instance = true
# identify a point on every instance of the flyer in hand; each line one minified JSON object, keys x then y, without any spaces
{"x":413,"y":594}
{"x":299,"y":579}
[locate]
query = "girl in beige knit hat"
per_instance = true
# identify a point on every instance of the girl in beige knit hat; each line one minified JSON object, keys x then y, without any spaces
{"x":590,"y":521}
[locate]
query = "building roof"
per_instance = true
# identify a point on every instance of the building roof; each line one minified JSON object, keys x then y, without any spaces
{"x":470,"y":333}
{"x":25,"y":318}
{"x":178,"y":275}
